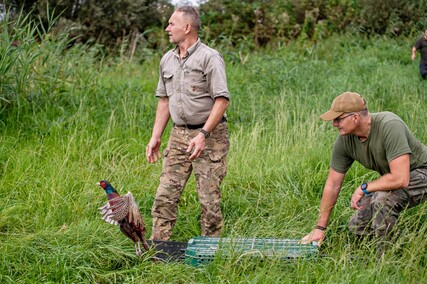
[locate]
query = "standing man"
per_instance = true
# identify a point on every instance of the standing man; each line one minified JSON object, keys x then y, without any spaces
{"x":381,"y":142}
{"x":421,"y":45}
{"x":192,"y":90}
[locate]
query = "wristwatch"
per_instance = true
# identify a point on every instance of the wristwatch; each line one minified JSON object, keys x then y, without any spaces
{"x":364,"y":188}
{"x":205,"y":133}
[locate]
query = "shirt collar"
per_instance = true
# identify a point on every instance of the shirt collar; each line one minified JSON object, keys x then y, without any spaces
{"x":190,"y":50}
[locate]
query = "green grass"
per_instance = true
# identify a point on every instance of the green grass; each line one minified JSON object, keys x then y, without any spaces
{"x":77,"y":118}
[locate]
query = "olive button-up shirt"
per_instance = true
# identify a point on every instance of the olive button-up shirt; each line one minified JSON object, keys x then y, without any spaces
{"x":192,"y":83}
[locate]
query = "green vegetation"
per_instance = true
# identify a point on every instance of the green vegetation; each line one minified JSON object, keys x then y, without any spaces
{"x":71,"y":117}
{"x":136,"y":26}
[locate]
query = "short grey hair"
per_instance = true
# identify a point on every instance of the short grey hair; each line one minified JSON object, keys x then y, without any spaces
{"x":192,"y":13}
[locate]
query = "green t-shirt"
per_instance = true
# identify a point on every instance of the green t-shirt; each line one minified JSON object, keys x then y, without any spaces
{"x":421,"y":45}
{"x":388,"y":139}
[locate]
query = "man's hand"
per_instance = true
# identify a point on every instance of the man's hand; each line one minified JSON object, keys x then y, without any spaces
{"x":152,"y":152}
{"x":314,"y":236}
{"x":198,"y":144}
{"x":355,"y":198}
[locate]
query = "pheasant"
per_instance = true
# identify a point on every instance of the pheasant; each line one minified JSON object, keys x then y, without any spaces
{"x":123,"y":211}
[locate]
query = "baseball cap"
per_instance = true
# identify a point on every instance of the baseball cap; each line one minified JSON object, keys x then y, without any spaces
{"x":346,"y":102}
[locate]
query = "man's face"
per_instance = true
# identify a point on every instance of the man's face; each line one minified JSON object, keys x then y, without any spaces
{"x":344,"y":123}
{"x":177,"y":27}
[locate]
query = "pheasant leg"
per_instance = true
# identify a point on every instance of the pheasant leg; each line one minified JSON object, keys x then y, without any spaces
{"x":138,"y":249}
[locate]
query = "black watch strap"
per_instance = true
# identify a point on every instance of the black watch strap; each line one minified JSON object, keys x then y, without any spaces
{"x":205,"y":133}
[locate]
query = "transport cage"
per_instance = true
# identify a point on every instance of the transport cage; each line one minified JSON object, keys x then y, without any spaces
{"x":169,"y":250}
{"x":201,"y":250}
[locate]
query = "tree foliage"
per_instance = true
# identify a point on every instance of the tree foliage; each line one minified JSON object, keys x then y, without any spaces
{"x":263,"y":22}
{"x":392,"y":16}
{"x":127,"y":25}
{"x":110,"y":23}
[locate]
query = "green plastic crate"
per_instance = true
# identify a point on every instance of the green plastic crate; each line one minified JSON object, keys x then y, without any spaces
{"x":201,"y":250}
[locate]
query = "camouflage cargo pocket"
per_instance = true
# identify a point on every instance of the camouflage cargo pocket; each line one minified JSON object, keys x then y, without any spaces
{"x":175,"y":156}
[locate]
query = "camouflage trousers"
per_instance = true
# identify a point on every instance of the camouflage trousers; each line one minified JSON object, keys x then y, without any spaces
{"x":380,"y":210}
{"x":209,"y":169}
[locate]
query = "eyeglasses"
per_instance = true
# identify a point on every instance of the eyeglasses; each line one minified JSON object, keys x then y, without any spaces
{"x":339,"y":119}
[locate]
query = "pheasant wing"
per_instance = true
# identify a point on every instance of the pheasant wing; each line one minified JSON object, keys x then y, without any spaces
{"x":115,"y":210}
{"x":134,"y":214}
{"x":136,"y":221}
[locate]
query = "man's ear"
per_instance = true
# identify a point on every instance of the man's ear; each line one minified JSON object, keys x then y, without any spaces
{"x":187,"y":28}
{"x":356,"y":118}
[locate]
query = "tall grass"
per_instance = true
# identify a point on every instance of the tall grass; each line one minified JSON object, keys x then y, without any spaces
{"x":87,"y":118}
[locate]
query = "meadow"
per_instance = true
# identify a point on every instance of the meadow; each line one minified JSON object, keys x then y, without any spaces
{"x":71,"y":117}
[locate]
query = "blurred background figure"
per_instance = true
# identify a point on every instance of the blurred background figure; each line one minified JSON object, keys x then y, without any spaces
{"x":421,"y":46}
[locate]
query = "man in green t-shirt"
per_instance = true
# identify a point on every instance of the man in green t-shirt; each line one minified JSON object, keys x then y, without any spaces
{"x":381,"y":142}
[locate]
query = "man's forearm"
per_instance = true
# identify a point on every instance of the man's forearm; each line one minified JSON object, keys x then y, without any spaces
{"x":217,"y":113}
{"x":328,"y":202}
{"x":162,"y":117}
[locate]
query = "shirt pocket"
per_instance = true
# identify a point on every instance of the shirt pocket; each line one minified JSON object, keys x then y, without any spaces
{"x":168,"y":80}
{"x":197,"y":83}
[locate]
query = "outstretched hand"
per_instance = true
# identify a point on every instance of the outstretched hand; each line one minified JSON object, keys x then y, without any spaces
{"x":314,"y":236}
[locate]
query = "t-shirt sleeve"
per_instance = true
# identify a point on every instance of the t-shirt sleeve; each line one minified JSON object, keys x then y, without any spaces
{"x":395,"y":140}
{"x":417,"y":44}
{"x":340,"y":160}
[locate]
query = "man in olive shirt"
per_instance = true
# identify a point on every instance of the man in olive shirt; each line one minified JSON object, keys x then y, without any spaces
{"x":381,"y":142}
{"x":192,"y":91}
{"x":421,"y":46}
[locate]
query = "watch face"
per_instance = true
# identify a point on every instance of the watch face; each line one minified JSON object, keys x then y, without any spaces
{"x":364,"y":186}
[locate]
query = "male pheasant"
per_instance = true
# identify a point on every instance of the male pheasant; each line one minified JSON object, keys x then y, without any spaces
{"x":123,"y":211}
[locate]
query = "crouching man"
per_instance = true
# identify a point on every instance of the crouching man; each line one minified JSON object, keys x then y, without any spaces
{"x":381,"y":142}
